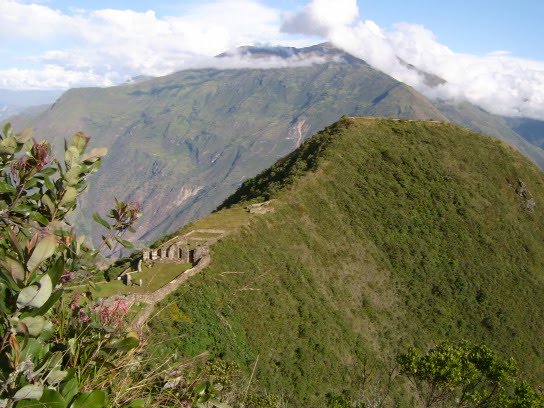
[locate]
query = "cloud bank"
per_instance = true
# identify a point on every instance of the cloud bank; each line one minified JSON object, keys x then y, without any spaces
{"x":106,"y":47}
{"x":497,"y":82}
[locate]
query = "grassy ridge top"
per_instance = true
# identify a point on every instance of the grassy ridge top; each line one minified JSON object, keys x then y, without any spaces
{"x":385,"y":234}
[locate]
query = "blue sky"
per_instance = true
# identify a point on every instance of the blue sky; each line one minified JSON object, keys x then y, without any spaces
{"x":488,"y":52}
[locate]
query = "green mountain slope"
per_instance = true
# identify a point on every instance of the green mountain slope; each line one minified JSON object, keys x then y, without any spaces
{"x":523,"y":137}
{"x":385,"y":234}
{"x":181,"y":144}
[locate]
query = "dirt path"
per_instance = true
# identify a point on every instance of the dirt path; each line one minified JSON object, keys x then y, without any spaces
{"x":152,"y":298}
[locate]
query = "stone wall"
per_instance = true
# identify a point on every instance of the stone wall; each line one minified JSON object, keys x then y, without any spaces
{"x":175,"y":254}
{"x":178,"y":250}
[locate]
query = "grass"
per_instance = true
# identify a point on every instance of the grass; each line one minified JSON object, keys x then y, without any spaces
{"x":153,"y":278}
{"x":229,"y":220}
{"x":391,"y":234}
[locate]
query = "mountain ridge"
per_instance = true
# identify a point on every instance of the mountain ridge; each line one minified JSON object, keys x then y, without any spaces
{"x":180,"y":144}
{"x":384,"y":234}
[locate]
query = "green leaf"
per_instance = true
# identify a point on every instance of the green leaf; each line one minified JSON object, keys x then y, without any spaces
{"x":7,"y":131}
{"x":56,"y":376}
{"x":101,"y":220}
{"x":48,"y":332}
{"x":124,"y":345}
{"x":218,"y":404}
{"x":23,"y":209}
{"x":24,"y":136}
{"x":35,"y":296}
{"x":29,"y":391}
{"x":70,"y":390}
{"x":108,"y":241}
{"x":72,"y":175}
{"x":35,"y":350}
{"x":39,"y":218}
{"x":51,"y":399}
{"x":69,"y":195}
{"x":71,"y":157}
{"x":95,"y":399}
{"x":49,"y":203}
{"x":200,"y":389}
{"x":45,"y":248}
{"x":54,"y":298}
{"x":79,"y":141}
{"x":14,"y":267}
{"x":95,"y":154}
{"x":124,"y":242}
{"x":34,"y":325}
{"x":9,"y":279}
{"x":47,"y":171}
{"x":56,"y":271}
{"x":5,"y":187}
{"x":48,"y":183}
{"x":8,"y":145}
{"x":3,"y":299}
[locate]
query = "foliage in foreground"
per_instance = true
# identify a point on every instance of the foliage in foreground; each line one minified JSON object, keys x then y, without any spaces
{"x":67,"y":349}
{"x":46,"y":357}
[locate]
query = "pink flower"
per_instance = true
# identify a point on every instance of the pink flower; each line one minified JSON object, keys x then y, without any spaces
{"x":74,"y":302}
{"x":84,"y":317}
{"x":113,"y":313}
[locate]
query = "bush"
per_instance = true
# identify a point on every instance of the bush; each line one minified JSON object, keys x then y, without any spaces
{"x":45,"y":357}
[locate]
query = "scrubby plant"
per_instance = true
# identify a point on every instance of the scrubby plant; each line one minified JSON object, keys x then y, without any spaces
{"x":467,"y":375}
{"x":43,"y":356}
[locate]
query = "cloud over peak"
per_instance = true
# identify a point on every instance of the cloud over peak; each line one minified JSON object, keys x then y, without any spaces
{"x":497,"y":82}
{"x":108,"y":46}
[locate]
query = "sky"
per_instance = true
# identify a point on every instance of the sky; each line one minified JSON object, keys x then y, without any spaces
{"x":489,"y":52}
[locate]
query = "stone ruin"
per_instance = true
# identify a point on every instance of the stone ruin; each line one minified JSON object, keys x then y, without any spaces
{"x":260,"y":208}
{"x":177,"y":252}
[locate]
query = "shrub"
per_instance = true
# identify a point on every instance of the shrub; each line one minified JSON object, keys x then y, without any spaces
{"x":45,"y":356}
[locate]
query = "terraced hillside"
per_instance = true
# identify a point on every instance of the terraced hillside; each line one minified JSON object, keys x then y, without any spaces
{"x":384,"y":234}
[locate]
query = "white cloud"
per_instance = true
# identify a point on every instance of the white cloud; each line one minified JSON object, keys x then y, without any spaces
{"x":52,"y":77}
{"x":498,"y":82}
{"x":101,"y":46}
{"x":104,"y":47}
{"x":319,"y":16}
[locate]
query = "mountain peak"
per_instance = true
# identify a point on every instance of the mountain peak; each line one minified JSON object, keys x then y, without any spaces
{"x":325,"y":50}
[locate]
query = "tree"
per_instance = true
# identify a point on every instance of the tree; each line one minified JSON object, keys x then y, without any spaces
{"x":466,"y":375}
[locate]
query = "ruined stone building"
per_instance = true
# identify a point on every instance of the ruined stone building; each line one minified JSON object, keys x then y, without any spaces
{"x":176,"y":253}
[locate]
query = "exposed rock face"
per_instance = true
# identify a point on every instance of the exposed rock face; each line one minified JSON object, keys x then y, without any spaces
{"x":260,"y":208}
{"x":521,"y":190}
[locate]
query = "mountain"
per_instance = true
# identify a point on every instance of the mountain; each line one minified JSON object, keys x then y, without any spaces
{"x":180,"y":144}
{"x":531,"y":130}
{"x":381,"y":234}
{"x":13,"y":102}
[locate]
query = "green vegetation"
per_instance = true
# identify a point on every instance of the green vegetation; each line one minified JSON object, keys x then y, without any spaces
{"x":49,"y":353}
{"x":153,"y":278}
{"x":386,"y":234}
{"x":73,"y":350}
{"x":466,"y":375}
{"x":184,"y":142}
